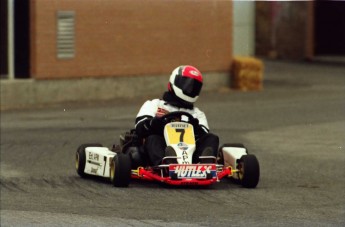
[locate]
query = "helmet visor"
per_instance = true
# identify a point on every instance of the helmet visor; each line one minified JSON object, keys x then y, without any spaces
{"x":190,"y":87}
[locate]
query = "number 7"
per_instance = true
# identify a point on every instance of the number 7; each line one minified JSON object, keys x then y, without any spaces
{"x":182,"y":131}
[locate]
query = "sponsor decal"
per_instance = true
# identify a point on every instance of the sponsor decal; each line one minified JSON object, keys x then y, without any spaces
{"x":179,"y":125}
{"x":185,"y":157}
{"x":182,"y":146}
{"x":192,"y":171}
{"x":94,"y":170}
{"x":93,"y":156}
{"x":192,"y":72}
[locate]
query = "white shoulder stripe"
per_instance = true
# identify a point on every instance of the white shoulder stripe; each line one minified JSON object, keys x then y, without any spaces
{"x":204,"y":128}
{"x":141,"y":121}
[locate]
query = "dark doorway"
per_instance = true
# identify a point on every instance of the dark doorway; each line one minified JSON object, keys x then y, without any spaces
{"x":3,"y":39}
{"x":22,"y":38}
{"x":330,"y":28}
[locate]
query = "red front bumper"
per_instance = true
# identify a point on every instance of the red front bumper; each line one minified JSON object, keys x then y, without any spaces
{"x":154,"y":175}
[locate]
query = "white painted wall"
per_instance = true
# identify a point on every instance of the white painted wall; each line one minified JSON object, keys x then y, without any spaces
{"x":244,"y":28}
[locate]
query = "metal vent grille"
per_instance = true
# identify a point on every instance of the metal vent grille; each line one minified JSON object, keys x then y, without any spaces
{"x":65,"y":34}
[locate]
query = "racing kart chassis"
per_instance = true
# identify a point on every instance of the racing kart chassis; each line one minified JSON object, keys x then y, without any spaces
{"x":128,"y":160}
{"x":120,"y":167}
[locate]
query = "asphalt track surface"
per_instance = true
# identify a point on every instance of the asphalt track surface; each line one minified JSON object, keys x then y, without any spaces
{"x":295,"y":127}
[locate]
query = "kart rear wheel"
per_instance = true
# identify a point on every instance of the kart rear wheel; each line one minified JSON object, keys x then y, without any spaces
{"x":80,"y":157}
{"x":120,"y":170}
{"x":249,"y":171}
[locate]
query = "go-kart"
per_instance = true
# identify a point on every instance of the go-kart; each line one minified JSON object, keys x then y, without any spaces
{"x":128,"y":160}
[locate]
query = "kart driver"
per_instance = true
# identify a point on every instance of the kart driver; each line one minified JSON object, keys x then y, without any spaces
{"x":184,"y":87}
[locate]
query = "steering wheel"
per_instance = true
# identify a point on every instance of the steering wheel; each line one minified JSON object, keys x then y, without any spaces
{"x":178,"y":114}
{"x":158,"y":123}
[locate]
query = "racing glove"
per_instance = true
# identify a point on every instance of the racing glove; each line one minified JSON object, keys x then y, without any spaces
{"x":149,"y":126}
{"x":194,"y":122}
{"x":199,"y":130}
{"x":142,"y":126}
{"x":157,"y":125}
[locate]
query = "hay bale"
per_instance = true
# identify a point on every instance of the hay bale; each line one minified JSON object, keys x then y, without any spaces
{"x":247,"y":74}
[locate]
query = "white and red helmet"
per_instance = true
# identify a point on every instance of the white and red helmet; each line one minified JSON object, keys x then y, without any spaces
{"x":186,"y":83}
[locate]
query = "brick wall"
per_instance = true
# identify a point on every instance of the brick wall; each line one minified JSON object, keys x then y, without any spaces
{"x":132,"y":37}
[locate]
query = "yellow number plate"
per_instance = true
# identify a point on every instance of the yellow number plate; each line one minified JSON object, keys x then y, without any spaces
{"x":177,"y":132}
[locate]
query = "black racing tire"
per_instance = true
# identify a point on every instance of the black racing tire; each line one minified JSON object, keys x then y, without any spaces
{"x":80,"y":158}
{"x":220,"y":157}
{"x":120,"y":170}
{"x":249,"y":171}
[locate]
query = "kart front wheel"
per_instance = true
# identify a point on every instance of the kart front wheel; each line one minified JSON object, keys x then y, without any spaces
{"x":80,"y":157}
{"x":249,"y":171}
{"x":120,"y":170}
